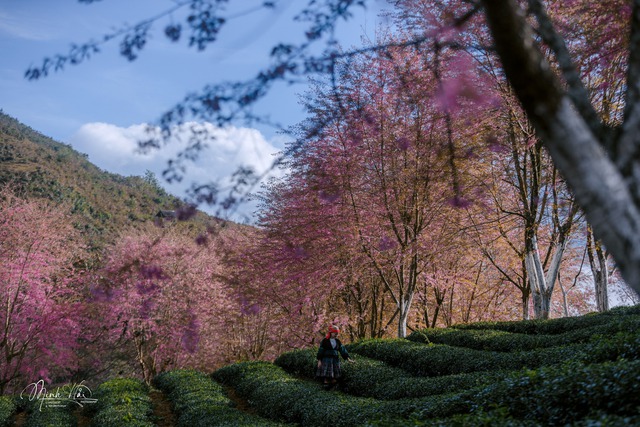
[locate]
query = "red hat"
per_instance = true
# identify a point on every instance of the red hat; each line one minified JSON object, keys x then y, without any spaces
{"x":332,"y":330}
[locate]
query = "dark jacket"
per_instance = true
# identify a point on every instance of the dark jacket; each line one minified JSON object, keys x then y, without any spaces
{"x":326,"y":350}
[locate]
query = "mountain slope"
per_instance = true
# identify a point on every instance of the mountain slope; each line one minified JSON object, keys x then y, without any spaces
{"x":102,"y":203}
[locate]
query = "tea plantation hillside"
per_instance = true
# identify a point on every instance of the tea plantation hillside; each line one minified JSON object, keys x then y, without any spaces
{"x":582,"y":371}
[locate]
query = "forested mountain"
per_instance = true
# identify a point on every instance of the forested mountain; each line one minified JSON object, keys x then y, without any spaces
{"x":101,"y":203}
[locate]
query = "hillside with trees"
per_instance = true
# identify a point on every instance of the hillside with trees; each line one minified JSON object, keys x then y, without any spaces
{"x":100,"y":202}
{"x":99,"y":270}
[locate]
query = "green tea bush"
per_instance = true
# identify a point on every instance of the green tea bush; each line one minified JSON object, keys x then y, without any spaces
{"x":437,"y":360}
{"x":499,"y":418}
{"x":500,"y":340}
{"x":494,"y":418}
{"x":622,"y":311}
{"x":552,"y":355}
{"x":274,"y":393}
{"x":50,"y":417}
{"x":373,"y":378}
{"x":572,"y":394}
{"x":199,"y":401}
{"x":122,"y":415}
{"x":623,"y":345}
{"x":555,"y":326}
{"x":122,"y":401}
{"x":299,"y":362}
{"x":560,"y":395}
{"x":434,"y":359}
{"x":412,"y":387}
{"x":8,"y":409}
{"x":363,"y":373}
{"x":479,"y":339}
{"x":364,"y":377}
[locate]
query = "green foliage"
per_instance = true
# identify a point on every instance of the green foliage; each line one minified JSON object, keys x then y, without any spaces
{"x":299,"y":362}
{"x":434,"y":359}
{"x":560,"y":394}
{"x":122,"y":401}
{"x":50,"y":417}
{"x":622,"y":345}
{"x":555,"y":326}
{"x":437,"y":359}
{"x":122,"y":415}
{"x":199,"y":401}
{"x":374,"y":378}
{"x":8,"y":408}
{"x":274,"y":393}
{"x":498,"y":340}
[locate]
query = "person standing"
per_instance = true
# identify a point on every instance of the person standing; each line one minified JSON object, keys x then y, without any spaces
{"x":328,"y":357}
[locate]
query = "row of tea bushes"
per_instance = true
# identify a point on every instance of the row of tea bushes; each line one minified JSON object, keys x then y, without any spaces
{"x":8,"y":409}
{"x":373,"y":378}
{"x":50,"y":416}
{"x":574,"y":394}
{"x":432,"y":360}
{"x":559,"y":394}
{"x":500,"y":340}
{"x":497,"y":340}
{"x":122,"y":402}
{"x":199,"y":401}
{"x":555,"y":326}
{"x":274,"y":393}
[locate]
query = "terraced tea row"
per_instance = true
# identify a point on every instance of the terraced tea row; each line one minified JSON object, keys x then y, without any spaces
{"x":522,"y":336}
{"x":373,"y":378}
{"x":197,"y":400}
{"x":547,"y":396}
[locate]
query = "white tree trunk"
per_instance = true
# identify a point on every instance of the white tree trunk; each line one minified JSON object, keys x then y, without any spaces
{"x":542,"y":286}
{"x":404,"y":306}
{"x":601,"y":282}
{"x":536,"y":281}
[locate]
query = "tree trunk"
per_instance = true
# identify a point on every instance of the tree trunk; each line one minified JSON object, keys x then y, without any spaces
{"x":536,"y":281}
{"x":601,"y":280}
{"x":599,"y":270}
{"x":542,"y":286}
{"x":402,"y":326}
{"x":539,"y":290}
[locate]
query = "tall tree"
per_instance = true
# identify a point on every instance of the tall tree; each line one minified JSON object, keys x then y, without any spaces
{"x":41,"y":315}
{"x":382,"y":163}
{"x":159,"y":292}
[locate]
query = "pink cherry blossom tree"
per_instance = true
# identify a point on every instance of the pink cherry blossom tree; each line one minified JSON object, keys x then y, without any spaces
{"x":41,"y":310}
{"x":161,"y":293}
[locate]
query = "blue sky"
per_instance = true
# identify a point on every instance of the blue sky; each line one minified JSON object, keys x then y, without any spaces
{"x":100,"y":106}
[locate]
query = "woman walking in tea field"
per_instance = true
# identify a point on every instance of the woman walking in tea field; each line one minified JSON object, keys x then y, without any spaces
{"x":328,"y":357}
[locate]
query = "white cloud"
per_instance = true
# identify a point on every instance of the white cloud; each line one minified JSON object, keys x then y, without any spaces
{"x":115,"y":149}
{"x":16,"y":27}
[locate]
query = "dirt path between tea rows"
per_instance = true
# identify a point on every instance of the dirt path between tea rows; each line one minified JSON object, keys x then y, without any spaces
{"x":162,"y":411}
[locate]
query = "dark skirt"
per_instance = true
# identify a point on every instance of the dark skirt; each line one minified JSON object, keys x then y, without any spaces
{"x":329,"y":368}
